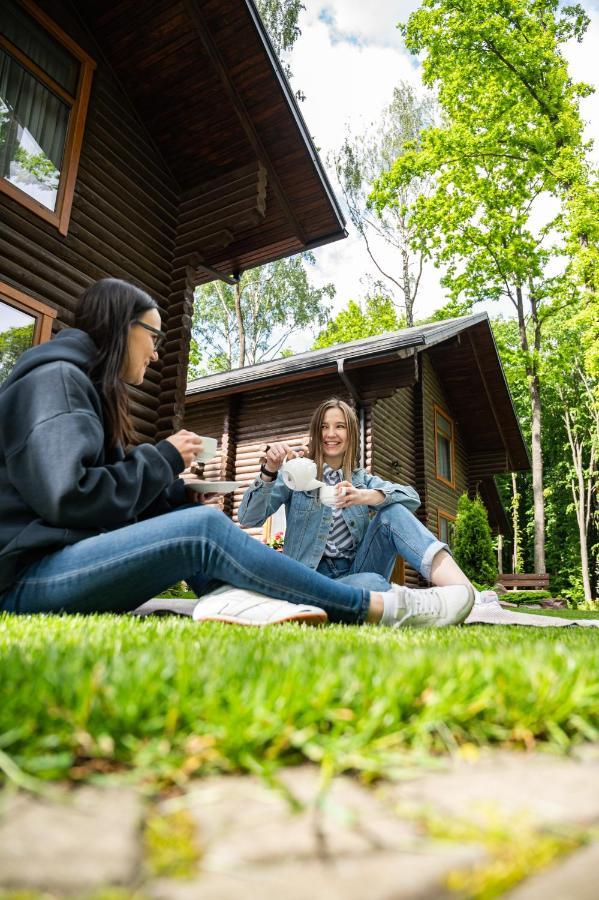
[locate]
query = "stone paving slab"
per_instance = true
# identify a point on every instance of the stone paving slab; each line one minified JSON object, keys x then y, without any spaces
{"x":576,"y":878}
{"x":70,"y":840}
{"x":379,"y":876}
{"x":543,"y":789}
{"x":338,"y":841}
{"x":242,"y":821}
{"x":343,"y":843}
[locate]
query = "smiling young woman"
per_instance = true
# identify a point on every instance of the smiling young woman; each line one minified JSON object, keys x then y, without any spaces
{"x":343,"y":542}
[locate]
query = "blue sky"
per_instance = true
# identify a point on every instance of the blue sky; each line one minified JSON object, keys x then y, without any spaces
{"x":347,"y":61}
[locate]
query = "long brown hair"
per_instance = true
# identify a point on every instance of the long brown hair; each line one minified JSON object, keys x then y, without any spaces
{"x":105,"y":311}
{"x":350,"y":458}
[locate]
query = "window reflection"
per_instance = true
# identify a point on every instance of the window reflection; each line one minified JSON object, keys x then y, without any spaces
{"x":33,"y":128}
{"x":16,"y":335}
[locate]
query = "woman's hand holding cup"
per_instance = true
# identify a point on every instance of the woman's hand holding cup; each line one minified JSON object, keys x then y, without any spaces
{"x":332,"y":495}
{"x":188,"y":444}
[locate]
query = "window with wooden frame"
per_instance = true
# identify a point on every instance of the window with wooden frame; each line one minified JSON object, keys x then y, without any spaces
{"x":45,"y":82}
{"x":444,"y":448}
{"x":24,"y":322}
{"x":445,"y":523}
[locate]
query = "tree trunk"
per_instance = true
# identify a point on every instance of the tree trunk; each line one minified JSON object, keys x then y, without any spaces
{"x":407,"y":289}
{"x":240,"y":325}
{"x":582,"y":531}
{"x":516,"y":549}
{"x":535,"y":403}
{"x":537,"y":474}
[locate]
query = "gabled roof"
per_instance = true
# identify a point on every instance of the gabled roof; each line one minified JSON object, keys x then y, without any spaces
{"x":209,"y":89}
{"x":464,"y":355}
{"x":354,"y":353}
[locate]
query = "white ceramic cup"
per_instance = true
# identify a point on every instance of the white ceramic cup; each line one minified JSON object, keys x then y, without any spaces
{"x":329,"y":494}
{"x":210,"y":445}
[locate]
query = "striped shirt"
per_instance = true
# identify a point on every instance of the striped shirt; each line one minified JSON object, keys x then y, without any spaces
{"x":339,"y":541}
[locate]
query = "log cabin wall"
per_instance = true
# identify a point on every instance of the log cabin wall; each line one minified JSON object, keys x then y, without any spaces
{"x":438,"y":496}
{"x":394,"y":455}
{"x":243,"y":423}
{"x":122,"y":223}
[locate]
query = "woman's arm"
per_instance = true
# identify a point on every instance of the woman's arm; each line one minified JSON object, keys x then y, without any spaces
{"x":261,"y":499}
{"x":374,"y":491}
{"x":55,"y":458}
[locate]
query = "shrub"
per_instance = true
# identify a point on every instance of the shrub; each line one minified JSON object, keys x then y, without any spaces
{"x":472,"y":541}
{"x":525,"y":596}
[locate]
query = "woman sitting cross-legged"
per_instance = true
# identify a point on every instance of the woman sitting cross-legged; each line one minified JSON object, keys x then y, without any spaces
{"x":90,"y":523}
{"x":341,"y":541}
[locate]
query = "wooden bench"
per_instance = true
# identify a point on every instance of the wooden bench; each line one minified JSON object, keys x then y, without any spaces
{"x":524,"y":582}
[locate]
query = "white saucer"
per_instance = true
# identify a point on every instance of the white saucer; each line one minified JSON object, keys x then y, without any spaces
{"x":214,"y":487}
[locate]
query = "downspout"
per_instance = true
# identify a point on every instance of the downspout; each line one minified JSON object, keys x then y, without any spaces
{"x":351,"y":388}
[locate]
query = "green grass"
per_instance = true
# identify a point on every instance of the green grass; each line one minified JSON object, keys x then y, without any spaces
{"x":169,"y":699}
{"x":562,"y":613}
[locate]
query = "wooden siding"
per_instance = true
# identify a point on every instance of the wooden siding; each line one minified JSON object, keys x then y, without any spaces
{"x":122,"y":222}
{"x":439,"y":495}
{"x":244,"y":423}
{"x":393,"y":457}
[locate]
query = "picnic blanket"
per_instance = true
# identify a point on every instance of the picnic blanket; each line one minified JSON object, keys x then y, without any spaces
{"x":491,"y":612}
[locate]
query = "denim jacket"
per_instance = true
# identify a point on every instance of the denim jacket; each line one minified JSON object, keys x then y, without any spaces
{"x":308,"y":520}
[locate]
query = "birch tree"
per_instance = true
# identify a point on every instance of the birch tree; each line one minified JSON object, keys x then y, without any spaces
{"x":358,"y":163}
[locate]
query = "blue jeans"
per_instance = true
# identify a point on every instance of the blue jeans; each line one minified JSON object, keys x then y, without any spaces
{"x":394,"y":530}
{"x":118,"y":570}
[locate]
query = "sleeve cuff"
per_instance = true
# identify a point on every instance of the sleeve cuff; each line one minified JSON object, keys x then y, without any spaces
{"x":172,"y":456}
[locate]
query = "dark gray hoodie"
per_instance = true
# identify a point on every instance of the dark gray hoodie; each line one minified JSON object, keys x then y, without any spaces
{"x":58,"y":483}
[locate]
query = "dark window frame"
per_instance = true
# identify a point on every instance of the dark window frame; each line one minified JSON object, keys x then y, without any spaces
{"x":44,"y":315}
{"x":78,"y":104}
{"x":439,"y":412}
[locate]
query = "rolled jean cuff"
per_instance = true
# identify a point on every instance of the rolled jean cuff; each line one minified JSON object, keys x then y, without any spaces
{"x":428,"y":557}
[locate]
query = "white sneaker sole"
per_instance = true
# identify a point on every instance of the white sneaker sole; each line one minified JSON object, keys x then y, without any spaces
{"x":301,"y":618}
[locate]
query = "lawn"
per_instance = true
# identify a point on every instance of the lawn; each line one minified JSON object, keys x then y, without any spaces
{"x":166,"y":698}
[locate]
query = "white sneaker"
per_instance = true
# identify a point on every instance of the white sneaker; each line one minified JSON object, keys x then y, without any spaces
{"x":431,"y":607}
{"x":240,"y":607}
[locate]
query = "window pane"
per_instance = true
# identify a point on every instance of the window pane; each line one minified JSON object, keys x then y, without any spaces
{"x":443,"y":457}
{"x":29,"y":36}
{"x":443,"y":531}
{"x":443,"y":425}
{"x":33,"y":128}
{"x":16,"y":335}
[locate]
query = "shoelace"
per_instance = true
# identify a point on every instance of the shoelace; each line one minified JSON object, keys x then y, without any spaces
{"x":426,"y":603}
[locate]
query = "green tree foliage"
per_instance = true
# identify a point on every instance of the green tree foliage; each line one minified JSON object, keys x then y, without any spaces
{"x":281,"y":20}
{"x":563,"y":364}
{"x":360,"y":161}
{"x":509,"y":168}
{"x":243,"y":324}
{"x":13,"y":342}
{"x":375,"y":316}
{"x":472,"y":541}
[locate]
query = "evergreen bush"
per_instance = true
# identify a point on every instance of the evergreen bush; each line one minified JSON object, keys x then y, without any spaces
{"x":472,"y":541}
{"x":525,"y":596}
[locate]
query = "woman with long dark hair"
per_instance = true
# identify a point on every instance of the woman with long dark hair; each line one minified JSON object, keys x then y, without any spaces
{"x":90,"y":523}
{"x":371,"y":521}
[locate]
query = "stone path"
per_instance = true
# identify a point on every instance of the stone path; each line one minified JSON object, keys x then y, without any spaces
{"x":300,"y":838}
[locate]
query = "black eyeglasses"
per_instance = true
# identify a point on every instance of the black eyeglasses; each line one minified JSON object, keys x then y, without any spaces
{"x":158,"y":336}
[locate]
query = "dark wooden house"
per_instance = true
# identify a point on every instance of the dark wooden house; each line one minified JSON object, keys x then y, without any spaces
{"x":157,"y":142}
{"x":434,"y":407}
